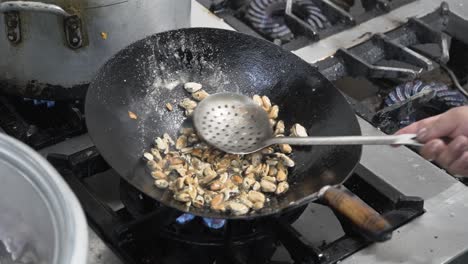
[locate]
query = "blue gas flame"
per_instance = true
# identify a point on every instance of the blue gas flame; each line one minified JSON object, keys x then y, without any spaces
{"x":209,"y":222}
{"x":41,"y":102}
{"x":185,"y":218}
{"x":214,"y":223}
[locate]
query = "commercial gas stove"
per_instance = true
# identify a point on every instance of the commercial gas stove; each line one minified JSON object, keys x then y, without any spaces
{"x":396,"y":61}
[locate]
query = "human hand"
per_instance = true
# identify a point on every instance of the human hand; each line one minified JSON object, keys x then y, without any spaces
{"x":445,"y":139}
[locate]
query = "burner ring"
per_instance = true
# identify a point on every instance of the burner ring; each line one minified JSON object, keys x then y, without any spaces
{"x":445,"y":98}
{"x":195,"y":231}
{"x":267,"y":16}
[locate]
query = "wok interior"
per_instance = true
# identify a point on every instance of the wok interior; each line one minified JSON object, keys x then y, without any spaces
{"x":150,"y":73}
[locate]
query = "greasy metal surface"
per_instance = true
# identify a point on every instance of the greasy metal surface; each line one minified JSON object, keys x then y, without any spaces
{"x":31,"y":6}
{"x":440,"y":227}
{"x":435,"y":237}
{"x":337,"y":17}
{"x":404,"y":169}
{"x":359,"y":67}
{"x":69,"y":146}
{"x":202,"y":17}
{"x":42,"y":64}
{"x":401,"y":51}
{"x":430,"y":35}
{"x":457,"y":27}
{"x":222,"y":61}
{"x":403,"y":139}
{"x":98,"y":252}
{"x":346,"y":39}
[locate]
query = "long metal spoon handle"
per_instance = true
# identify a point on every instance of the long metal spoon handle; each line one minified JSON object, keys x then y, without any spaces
{"x":404,"y":139}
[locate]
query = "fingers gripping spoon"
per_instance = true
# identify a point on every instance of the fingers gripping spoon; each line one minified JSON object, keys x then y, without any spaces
{"x":235,"y":124}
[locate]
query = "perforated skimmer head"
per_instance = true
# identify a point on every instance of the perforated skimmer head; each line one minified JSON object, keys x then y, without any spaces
{"x":236,"y":124}
{"x":232,"y":123}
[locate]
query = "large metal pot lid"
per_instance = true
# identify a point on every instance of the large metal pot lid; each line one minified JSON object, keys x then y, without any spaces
{"x":41,"y":220}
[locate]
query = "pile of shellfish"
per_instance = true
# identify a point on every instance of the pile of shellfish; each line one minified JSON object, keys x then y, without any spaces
{"x":204,"y":177}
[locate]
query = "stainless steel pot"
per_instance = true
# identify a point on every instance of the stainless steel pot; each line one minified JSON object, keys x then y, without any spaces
{"x":52,"y":49}
{"x":41,"y":221}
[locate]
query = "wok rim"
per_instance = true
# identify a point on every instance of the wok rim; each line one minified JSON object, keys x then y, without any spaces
{"x":297,"y":203}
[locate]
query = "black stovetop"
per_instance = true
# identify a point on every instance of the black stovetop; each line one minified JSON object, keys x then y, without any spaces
{"x":41,"y":123}
{"x":141,"y":231}
{"x":339,"y":15}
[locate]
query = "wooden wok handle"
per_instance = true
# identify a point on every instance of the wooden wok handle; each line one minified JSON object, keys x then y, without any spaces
{"x":356,"y":210}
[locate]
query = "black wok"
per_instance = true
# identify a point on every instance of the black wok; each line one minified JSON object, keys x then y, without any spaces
{"x":145,"y":76}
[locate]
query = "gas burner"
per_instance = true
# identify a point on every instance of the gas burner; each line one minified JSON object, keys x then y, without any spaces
{"x":268,"y":17}
{"x":185,"y":225}
{"x":294,"y":24}
{"x":240,"y":232}
{"x":444,"y":99}
{"x":138,"y":204}
{"x":219,"y":5}
{"x":209,"y":222}
{"x":143,"y":231}
{"x":41,"y":123}
{"x":345,"y":4}
{"x":361,"y":6}
{"x":415,"y":71}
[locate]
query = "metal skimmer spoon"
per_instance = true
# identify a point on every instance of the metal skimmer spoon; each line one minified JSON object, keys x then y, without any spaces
{"x":235,"y":124}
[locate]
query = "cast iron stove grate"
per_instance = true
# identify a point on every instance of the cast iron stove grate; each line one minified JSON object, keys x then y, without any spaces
{"x":296,"y":23}
{"x":145,"y":232}
{"x":425,"y":52}
{"x":41,"y":123}
{"x":383,"y":77}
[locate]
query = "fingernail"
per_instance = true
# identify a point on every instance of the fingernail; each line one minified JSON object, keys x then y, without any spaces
{"x":422,"y":134}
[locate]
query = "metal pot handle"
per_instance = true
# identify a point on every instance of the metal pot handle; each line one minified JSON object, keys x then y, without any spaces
{"x":11,"y":6}
{"x":72,"y":23}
